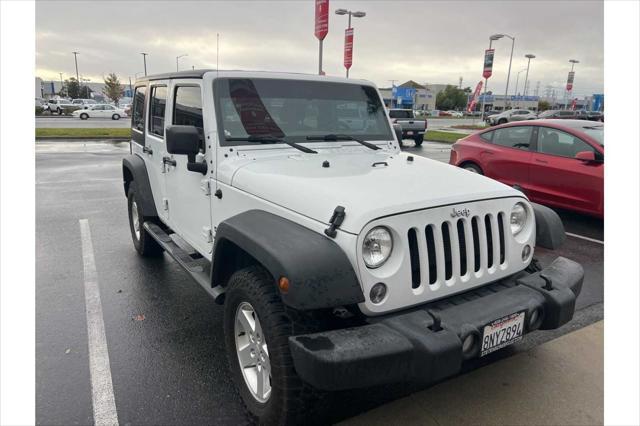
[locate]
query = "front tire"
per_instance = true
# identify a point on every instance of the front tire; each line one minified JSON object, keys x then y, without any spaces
{"x":144,"y":243}
{"x":84,"y":116}
{"x":115,"y":117}
{"x":257,"y":330}
{"x":502,"y":121}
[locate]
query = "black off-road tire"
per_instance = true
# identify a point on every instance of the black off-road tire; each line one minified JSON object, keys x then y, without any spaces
{"x":418,"y":140}
{"x":291,"y":401}
{"x":145,"y":244}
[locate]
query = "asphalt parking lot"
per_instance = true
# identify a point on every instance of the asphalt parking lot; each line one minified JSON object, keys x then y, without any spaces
{"x":164,"y":333}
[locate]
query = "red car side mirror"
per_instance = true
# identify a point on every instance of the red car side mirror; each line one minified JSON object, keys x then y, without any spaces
{"x":587,"y":156}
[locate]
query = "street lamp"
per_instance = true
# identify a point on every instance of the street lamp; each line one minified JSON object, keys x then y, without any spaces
{"x":515,"y":93}
{"x":529,"y":56}
{"x":178,"y":57}
{"x":486,"y":80}
{"x":567,"y":91}
{"x":144,"y":58}
{"x":357,"y":14}
{"x":506,"y":89}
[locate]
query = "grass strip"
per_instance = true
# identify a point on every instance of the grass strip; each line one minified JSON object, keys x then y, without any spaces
{"x":447,"y":137}
{"x":83,"y":133}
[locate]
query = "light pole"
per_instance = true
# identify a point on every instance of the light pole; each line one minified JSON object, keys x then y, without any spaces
{"x":75,"y":57}
{"x":355,"y":15}
{"x":484,"y":95}
{"x":61,"y":83}
{"x":529,"y":56}
{"x":506,"y":89}
{"x":568,"y":92}
{"x":515,"y":93}
{"x":144,"y":58}
{"x":178,"y":57}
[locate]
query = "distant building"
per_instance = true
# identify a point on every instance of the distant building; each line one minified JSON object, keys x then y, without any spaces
{"x":38,"y":90}
{"x":412,"y":95}
{"x":51,"y":89}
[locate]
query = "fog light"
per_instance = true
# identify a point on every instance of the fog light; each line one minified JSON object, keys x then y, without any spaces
{"x":378,"y":293}
{"x":526,"y":251}
{"x":468,"y":344}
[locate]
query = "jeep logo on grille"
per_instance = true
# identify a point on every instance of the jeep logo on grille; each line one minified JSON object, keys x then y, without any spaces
{"x":460,"y":212}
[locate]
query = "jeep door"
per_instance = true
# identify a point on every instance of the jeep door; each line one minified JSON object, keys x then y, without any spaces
{"x":154,"y":146}
{"x":188,"y":192}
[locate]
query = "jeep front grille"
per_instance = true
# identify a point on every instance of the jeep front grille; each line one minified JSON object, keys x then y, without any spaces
{"x":452,"y":251}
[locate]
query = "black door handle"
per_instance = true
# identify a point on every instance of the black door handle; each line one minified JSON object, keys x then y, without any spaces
{"x":147,"y":150}
{"x":170,"y":161}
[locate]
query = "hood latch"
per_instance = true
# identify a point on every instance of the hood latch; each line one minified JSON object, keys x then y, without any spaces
{"x":336,"y":220}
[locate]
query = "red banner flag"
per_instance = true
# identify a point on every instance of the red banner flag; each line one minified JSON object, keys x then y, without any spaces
{"x":488,"y":63}
{"x":322,"y":19}
{"x":348,"y":47}
{"x":474,"y":99}
{"x":570,"y":78}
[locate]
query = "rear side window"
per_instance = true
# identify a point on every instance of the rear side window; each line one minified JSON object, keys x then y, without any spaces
{"x":400,"y":114}
{"x":157,"y":108}
{"x":513,"y":137}
{"x":137,"y":111}
{"x":487,"y":136}
{"x":187,"y":109}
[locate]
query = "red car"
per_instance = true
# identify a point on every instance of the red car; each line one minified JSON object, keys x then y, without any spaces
{"x":559,"y":163}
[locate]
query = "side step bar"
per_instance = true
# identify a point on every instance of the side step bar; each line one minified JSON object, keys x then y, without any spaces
{"x":199,"y":268}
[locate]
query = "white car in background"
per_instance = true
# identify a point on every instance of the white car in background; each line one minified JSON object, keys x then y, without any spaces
{"x":100,"y":111}
{"x":456,"y":114}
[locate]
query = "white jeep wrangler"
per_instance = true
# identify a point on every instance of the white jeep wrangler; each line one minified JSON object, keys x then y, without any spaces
{"x":288,"y":212}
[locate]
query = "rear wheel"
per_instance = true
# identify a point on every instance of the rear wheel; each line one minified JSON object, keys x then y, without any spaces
{"x":257,"y":331}
{"x":418,"y":140}
{"x":115,"y":117}
{"x":472,"y":168}
{"x":84,"y":116}
{"x":144,"y":243}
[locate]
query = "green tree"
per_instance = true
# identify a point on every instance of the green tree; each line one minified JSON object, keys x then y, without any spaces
{"x":112,"y":88}
{"x":71,"y":88}
{"x":543,"y":106}
{"x":451,"y":98}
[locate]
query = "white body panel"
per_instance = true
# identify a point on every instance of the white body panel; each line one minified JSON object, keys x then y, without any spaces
{"x":396,"y":193}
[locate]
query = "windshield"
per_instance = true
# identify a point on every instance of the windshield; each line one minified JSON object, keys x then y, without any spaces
{"x":596,"y":132}
{"x":297,"y":109}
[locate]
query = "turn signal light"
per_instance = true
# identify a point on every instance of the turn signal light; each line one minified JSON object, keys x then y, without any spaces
{"x":283,"y":284}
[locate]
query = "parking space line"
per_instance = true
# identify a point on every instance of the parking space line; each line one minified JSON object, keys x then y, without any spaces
{"x":104,"y":406}
{"x":582,"y":237}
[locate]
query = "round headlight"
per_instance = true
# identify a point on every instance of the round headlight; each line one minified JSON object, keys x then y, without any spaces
{"x":377,"y":246}
{"x":518,"y":218}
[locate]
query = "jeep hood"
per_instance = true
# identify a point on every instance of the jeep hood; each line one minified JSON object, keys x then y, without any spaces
{"x":368,"y":185}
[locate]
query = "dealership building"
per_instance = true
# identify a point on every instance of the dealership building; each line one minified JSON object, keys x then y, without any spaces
{"x":412,"y":95}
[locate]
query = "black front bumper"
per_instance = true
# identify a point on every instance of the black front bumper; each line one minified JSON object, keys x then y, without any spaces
{"x":412,"y":346}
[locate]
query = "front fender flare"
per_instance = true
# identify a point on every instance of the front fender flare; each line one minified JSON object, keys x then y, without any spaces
{"x":318,"y":270}
{"x":134,"y":168}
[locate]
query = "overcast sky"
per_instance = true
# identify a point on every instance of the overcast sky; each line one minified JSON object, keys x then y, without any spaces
{"x":426,"y":41}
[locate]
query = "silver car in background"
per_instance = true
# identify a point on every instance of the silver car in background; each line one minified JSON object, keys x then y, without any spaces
{"x":511,"y":115}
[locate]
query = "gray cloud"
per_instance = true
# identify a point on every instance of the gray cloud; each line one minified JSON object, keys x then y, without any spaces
{"x":426,"y":41}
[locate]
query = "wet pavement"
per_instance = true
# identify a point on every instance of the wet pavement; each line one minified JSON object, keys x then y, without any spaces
{"x":164,"y":333}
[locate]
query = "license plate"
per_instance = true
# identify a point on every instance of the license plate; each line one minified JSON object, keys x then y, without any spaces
{"x":409,"y":133}
{"x":502,"y":332}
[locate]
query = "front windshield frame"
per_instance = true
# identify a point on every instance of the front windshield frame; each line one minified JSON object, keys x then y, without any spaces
{"x":385,"y":135}
{"x":595,"y":132}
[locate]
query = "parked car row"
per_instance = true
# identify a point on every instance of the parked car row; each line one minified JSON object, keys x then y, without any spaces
{"x":501,"y":117}
{"x":555,"y":162}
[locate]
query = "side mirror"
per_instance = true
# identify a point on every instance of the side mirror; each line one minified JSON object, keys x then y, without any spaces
{"x":587,"y":156}
{"x":185,"y":140}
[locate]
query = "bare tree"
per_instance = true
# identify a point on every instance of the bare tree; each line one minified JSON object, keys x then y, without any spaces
{"x":112,"y":88}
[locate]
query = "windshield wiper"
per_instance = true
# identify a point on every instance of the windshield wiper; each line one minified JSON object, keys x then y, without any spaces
{"x":272,"y":139}
{"x":334,"y":138}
